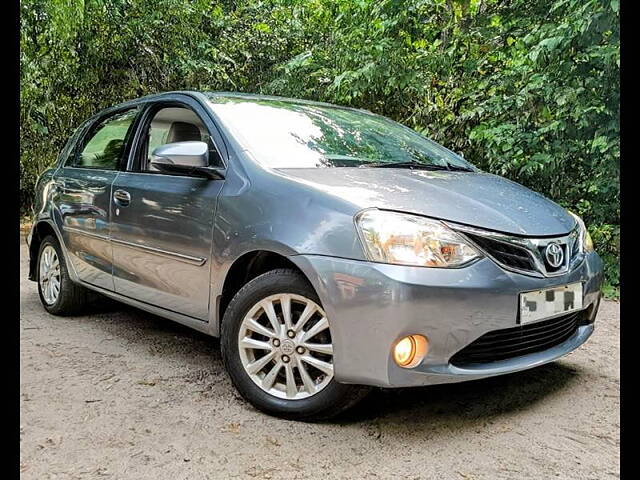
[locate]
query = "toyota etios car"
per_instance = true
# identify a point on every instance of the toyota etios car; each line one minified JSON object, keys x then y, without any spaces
{"x":329,"y":248}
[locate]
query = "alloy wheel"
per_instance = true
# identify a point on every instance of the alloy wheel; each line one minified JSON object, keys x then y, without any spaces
{"x":285,"y":346}
{"x":50,"y":275}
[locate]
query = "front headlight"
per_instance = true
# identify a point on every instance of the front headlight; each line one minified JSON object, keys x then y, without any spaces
{"x":586,"y":244}
{"x":405,"y":239}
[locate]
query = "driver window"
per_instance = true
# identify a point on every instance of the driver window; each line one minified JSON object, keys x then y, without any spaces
{"x":175,"y":124}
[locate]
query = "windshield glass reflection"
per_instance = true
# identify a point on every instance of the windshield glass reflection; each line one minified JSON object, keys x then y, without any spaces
{"x":284,"y":134}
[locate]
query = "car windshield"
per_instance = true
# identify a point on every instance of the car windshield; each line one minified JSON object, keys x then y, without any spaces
{"x":284,"y":134}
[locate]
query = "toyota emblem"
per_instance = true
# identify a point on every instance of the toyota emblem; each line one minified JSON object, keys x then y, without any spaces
{"x":554,"y":255}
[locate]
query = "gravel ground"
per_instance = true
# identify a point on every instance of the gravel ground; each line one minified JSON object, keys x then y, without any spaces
{"x":127,"y":395}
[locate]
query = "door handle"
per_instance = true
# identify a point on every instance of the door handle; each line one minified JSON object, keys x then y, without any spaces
{"x":122,"y":197}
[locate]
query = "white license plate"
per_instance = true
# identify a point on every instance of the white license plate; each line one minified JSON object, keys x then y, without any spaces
{"x":550,"y":302}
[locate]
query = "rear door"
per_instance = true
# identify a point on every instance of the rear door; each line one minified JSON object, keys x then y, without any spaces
{"x":84,"y":186}
{"x":162,"y":224}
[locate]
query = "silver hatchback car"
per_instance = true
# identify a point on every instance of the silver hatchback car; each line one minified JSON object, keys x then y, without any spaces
{"x":329,"y":248}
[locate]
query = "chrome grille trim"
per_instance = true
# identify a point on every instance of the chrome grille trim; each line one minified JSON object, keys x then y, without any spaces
{"x":534,"y":246}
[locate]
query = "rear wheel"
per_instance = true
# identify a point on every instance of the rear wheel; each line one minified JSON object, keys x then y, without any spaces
{"x":277,"y":347}
{"x":58,"y":294}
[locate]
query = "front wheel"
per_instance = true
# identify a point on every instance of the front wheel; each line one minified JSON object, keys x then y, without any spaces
{"x":278,"y":350}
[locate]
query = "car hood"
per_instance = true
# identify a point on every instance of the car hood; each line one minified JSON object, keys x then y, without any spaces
{"x":472,"y":198}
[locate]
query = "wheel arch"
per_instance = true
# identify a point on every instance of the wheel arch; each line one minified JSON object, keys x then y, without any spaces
{"x":40,"y":231}
{"x":244,"y":269}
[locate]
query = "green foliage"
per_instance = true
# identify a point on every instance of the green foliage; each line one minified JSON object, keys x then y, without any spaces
{"x":528,"y":89}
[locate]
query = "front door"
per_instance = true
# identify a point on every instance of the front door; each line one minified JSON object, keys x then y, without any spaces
{"x":162,"y":225}
{"x":84,"y":186}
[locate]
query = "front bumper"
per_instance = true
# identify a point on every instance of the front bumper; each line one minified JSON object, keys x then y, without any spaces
{"x":371,"y":305}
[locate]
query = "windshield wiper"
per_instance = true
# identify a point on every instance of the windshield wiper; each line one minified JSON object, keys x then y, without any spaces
{"x":416,"y":165}
{"x":409,"y":165}
{"x":458,"y":168}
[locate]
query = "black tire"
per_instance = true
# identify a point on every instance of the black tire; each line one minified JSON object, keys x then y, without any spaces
{"x":72,"y":298}
{"x":328,"y":402}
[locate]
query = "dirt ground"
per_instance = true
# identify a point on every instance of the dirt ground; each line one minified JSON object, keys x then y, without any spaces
{"x":127,"y":395}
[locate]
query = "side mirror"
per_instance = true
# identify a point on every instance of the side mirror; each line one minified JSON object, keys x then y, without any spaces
{"x":188,"y":154}
{"x":187,"y":158}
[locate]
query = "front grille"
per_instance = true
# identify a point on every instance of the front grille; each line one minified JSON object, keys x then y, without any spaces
{"x":518,"y":341}
{"x":506,"y":253}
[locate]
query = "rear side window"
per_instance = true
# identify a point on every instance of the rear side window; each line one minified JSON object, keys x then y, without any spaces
{"x":67,"y":151}
{"x":104,"y":145}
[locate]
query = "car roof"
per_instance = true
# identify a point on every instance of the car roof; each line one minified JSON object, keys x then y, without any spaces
{"x":254,"y":96}
{"x":222,"y":94}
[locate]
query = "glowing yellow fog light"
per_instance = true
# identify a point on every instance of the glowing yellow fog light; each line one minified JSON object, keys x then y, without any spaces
{"x":409,"y":351}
